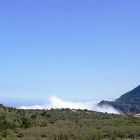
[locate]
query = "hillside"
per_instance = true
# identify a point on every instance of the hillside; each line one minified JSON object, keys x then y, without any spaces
{"x":66,"y":124}
{"x":127,"y":103}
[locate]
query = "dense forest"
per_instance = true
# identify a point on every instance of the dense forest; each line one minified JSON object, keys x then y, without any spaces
{"x":66,"y":124}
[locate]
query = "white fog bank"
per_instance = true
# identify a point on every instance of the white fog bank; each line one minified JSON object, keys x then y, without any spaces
{"x":55,"y":102}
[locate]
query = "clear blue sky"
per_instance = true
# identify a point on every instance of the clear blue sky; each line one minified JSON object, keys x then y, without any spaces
{"x":74,"y":49}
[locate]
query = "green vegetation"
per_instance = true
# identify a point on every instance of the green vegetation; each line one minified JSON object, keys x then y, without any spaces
{"x":66,"y":124}
{"x":127,"y":103}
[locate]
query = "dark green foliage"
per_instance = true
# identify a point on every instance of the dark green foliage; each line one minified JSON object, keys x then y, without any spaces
{"x":34,"y":116}
{"x":25,"y":123}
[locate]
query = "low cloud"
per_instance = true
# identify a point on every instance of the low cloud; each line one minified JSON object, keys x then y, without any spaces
{"x":55,"y":102}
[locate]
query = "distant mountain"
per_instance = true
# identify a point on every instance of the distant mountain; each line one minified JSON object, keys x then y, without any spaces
{"x":127,"y":103}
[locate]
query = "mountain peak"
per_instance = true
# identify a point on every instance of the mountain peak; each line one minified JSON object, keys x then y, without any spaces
{"x":128,"y":102}
{"x":137,"y":88}
{"x":131,"y":96}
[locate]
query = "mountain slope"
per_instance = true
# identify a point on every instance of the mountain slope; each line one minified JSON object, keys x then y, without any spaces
{"x":131,"y":97}
{"x":127,"y":103}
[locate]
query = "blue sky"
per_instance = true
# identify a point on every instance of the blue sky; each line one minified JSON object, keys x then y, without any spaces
{"x":74,"y":49}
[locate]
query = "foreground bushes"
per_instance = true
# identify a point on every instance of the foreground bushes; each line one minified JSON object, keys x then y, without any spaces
{"x":66,"y":124}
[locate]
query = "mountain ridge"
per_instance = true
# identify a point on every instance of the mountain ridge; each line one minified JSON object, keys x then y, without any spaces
{"x":127,"y":103}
